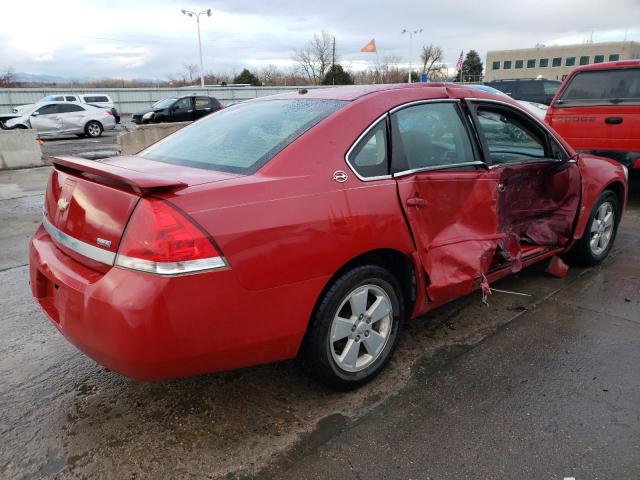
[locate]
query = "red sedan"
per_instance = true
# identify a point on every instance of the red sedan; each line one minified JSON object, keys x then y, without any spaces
{"x":310,"y":224}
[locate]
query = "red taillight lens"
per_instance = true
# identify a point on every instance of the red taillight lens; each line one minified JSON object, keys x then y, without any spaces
{"x":160,"y":239}
{"x":110,"y":112}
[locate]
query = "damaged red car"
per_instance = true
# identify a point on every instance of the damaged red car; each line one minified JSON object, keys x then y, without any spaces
{"x":310,"y":224}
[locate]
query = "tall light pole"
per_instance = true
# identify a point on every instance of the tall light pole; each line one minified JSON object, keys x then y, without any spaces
{"x":197,"y":17}
{"x":411,"y":34}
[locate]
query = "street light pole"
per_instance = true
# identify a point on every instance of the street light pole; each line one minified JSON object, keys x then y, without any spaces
{"x":197,"y":17}
{"x":411,"y":34}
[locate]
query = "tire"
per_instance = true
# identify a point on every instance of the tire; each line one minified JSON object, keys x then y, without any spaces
{"x":93,"y":129}
{"x":80,"y":135}
{"x":597,"y":241}
{"x":334,"y":363}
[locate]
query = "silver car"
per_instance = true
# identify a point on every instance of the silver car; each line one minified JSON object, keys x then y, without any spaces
{"x":65,"y":118}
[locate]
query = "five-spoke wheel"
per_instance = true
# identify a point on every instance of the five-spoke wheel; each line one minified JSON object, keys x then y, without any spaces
{"x":355,"y":327}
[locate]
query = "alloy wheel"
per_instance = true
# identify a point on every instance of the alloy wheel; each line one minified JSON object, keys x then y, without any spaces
{"x":602,"y":228}
{"x":361,"y":328}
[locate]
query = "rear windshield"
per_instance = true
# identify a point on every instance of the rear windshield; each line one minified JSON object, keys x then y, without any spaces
{"x":242,"y":138}
{"x":602,"y":87}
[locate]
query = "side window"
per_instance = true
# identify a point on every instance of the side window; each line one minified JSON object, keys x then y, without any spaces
{"x":202,"y":102}
{"x":48,"y":109}
{"x":71,"y":99}
{"x":429,"y":135}
{"x":66,"y":108}
{"x":369,"y":157}
{"x":533,"y":87}
{"x":184,"y":103}
{"x":509,"y":137}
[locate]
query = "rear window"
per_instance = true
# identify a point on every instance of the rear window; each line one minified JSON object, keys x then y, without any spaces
{"x":242,"y":138}
{"x":96,"y":99}
{"x":602,"y":86}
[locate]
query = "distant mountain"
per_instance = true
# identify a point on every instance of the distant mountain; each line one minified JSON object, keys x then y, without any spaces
{"x":37,"y":78}
{"x":31,"y":77}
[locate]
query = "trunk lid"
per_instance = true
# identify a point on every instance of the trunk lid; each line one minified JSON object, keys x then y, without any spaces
{"x":88,"y":204}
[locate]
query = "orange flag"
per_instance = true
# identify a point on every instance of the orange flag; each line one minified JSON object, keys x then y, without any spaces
{"x":370,"y":47}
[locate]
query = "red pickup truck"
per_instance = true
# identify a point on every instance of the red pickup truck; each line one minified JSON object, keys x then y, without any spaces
{"x":597,"y":110}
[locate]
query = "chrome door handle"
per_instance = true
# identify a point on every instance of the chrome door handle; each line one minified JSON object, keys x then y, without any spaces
{"x":501,"y":187}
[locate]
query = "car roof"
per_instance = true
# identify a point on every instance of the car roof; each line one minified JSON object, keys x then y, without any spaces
{"x":609,"y":65}
{"x":354,"y":92}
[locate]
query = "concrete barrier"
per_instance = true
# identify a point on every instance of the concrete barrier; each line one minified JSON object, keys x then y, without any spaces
{"x":130,"y":143}
{"x":19,"y":149}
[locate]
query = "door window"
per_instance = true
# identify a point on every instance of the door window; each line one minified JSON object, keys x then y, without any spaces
{"x":532,"y":88}
{"x":510,"y":138}
{"x":184,"y":103}
{"x":48,"y":109}
{"x":71,"y":99}
{"x":202,"y":103}
{"x":369,"y":157}
{"x":430,"y":135}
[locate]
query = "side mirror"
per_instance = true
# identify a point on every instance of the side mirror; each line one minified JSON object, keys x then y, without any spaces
{"x":35,"y":114}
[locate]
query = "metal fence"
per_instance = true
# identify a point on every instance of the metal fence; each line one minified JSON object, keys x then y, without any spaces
{"x":129,"y":100}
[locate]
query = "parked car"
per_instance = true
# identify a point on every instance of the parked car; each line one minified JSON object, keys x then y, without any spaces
{"x":531,"y":90}
{"x":597,"y":110}
{"x":537,"y":109}
{"x":177,"y":109}
{"x":310,"y":224}
{"x":64,"y":118}
{"x":97,"y":99}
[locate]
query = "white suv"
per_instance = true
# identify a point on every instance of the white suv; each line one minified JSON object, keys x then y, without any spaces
{"x":97,"y":99}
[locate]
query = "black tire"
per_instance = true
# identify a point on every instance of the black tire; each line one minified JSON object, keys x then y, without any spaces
{"x":582,"y":252}
{"x":93,"y":129}
{"x":317,"y":351}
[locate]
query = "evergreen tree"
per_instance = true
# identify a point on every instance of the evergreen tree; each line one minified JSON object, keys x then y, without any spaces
{"x":337,"y":76}
{"x":472,"y":67}
{"x":247,"y":77}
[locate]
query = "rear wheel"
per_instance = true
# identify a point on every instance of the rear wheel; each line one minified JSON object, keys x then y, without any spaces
{"x":93,"y":129}
{"x":355,"y":328}
{"x":597,"y":241}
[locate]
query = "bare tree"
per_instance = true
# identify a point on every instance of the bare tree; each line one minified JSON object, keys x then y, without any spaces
{"x":314,"y":59}
{"x":271,"y":75}
{"x":191,"y":69}
{"x":7,"y":78}
{"x":432,"y":56}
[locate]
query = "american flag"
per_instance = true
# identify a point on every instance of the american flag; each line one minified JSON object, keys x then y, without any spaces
{"x":459,"y":62}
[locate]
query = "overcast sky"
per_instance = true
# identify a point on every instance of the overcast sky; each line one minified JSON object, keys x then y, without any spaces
{"x":152,"y":39}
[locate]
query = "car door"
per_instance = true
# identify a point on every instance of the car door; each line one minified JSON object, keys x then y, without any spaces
{"x":72,"y":118}
{"x":539,"y":184}
{"x":202,"y":107}
{"x":448,"y":194}
{"x":182,"y":110}
{"x":46,"y":119}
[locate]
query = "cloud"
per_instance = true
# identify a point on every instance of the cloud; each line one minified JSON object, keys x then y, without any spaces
{"x":151,"y":38}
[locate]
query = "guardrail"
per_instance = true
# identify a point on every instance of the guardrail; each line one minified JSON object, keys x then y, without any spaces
{"x":130,"y":100}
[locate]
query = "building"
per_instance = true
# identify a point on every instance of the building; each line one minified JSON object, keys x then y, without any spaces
{"x":554,"y":63}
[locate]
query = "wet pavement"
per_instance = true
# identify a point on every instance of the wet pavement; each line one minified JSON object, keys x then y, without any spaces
{"x":92,"y":148}
{"x":545,"y":386}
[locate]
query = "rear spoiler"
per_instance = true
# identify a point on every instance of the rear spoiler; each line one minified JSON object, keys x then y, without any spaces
{"x":142,"y":183}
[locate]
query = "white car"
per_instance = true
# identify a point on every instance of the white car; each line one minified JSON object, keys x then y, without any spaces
{"x":537,"y":109}
{"x":97,"y":99}
{"x":65,"y":118}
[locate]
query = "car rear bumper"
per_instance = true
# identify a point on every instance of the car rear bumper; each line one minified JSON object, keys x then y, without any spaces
{"x":628,"y":159}
{"x":151,"y":327}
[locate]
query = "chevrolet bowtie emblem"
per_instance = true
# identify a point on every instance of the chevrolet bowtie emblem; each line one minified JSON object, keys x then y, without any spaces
{"x":63,"y":204}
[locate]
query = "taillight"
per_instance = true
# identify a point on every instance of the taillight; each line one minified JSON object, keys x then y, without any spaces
{"x":160,"y":239}
{"x":110,"y":112}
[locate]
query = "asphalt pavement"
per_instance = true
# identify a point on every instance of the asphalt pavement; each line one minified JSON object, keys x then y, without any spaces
{"x":92,"y":148}
{"x":539,"y":386}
